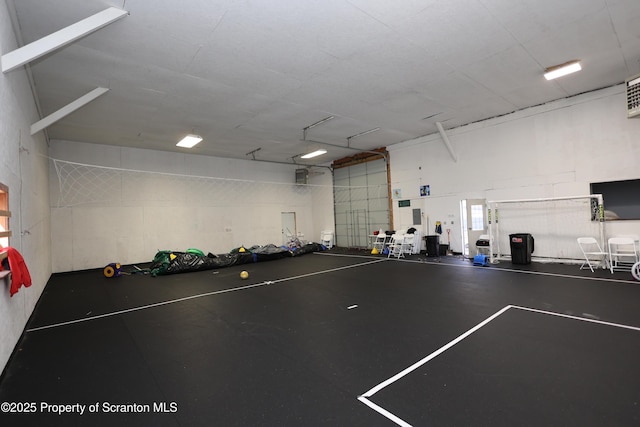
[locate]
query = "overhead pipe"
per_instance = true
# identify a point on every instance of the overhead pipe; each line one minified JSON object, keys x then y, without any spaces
{"x":293,"y":163}
{"x":447,"y":143}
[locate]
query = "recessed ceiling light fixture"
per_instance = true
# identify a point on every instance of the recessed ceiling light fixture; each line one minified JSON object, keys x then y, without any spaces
{"x":562,"y":70}
{"x":314,"y":154}
{"x":189,"y":141}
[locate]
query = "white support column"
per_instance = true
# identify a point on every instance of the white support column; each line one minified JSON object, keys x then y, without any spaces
{"x":60,"y":38}
{"x":447,"y":144}
{"x":67,"y":109}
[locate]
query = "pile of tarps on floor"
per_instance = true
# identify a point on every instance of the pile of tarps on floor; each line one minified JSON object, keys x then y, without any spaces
{"x":172,"y":262}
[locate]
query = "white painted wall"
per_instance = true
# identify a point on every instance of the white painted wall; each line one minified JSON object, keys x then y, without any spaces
{"x":552,"y":150}
{"x":155,"y":213}
{"x":548,"y":151}
{"x":24,"y":169}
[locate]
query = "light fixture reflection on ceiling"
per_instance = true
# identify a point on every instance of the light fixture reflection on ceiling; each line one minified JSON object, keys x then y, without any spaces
{"x":314,"y":154}
{"x":189,"y":141}
{"x":562,"y":70}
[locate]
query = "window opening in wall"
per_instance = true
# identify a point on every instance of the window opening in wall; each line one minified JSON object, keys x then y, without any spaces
{"x":477,"y":217}
{"x":472,"y":214}
{"x":5,"y":214}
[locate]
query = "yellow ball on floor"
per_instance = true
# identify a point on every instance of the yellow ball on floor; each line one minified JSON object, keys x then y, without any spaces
{"x":244,"y":275}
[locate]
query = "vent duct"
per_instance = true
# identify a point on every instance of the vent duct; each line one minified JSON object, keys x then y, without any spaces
{"x":633,"y":96}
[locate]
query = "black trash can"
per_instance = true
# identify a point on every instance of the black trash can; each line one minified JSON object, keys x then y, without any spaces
{"x":521,"y":248}
{"x":433,"y":245}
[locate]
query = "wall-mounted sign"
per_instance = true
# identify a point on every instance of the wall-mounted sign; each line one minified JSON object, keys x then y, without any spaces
{"x":404,"y":203}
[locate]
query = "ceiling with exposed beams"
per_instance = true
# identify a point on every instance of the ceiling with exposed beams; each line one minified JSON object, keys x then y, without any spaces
{"x":250,"y":75}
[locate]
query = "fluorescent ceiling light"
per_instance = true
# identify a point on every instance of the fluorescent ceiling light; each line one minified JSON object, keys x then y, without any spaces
{"x":562,"y":70}
{"x":314,"y":154}
{"x":189,"y":141}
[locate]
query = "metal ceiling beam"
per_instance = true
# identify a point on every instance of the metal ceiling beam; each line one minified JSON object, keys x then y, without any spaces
{"x":67,"y":109}
{"x":60,"y":38}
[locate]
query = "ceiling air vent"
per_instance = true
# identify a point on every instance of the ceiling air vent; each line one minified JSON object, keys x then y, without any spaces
{"x":302,"y":176}
{"x":633,"y":96}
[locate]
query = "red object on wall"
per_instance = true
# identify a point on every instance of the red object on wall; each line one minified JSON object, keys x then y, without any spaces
{"x":19,"y":272}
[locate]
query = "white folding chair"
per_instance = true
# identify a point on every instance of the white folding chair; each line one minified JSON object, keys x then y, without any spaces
{"x":408,"y":243}
{"x":396,"y":246}
{"x":593,"y":254}
{"x":622,"y":253}
{"x":379,"y":243}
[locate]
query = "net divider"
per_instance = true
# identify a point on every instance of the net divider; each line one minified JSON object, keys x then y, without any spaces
{"x":177,"y":175}
{"x":82,"y":184}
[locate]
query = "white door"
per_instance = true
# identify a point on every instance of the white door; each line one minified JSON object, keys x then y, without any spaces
{"x":474,"y":224}
{"x":288,"y":226}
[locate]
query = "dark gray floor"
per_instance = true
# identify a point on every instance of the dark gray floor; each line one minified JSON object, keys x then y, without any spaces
{"x":303,"y":338}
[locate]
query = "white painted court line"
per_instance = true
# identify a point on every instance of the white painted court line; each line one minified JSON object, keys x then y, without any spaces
{"x":489,"y":268}
{"x":382,"y":411}
{"x":567,"y":276}
{"x":364,"y":398}
{"x":441,"y":350}
{"x":173,"y":301}
{"x":583,"y":319}
{"x":328,"y":271}
{"x":144,"y":307}
{"x":351,"y":256}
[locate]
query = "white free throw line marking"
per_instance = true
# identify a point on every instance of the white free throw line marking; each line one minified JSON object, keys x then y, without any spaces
{"x":223,"y":291}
